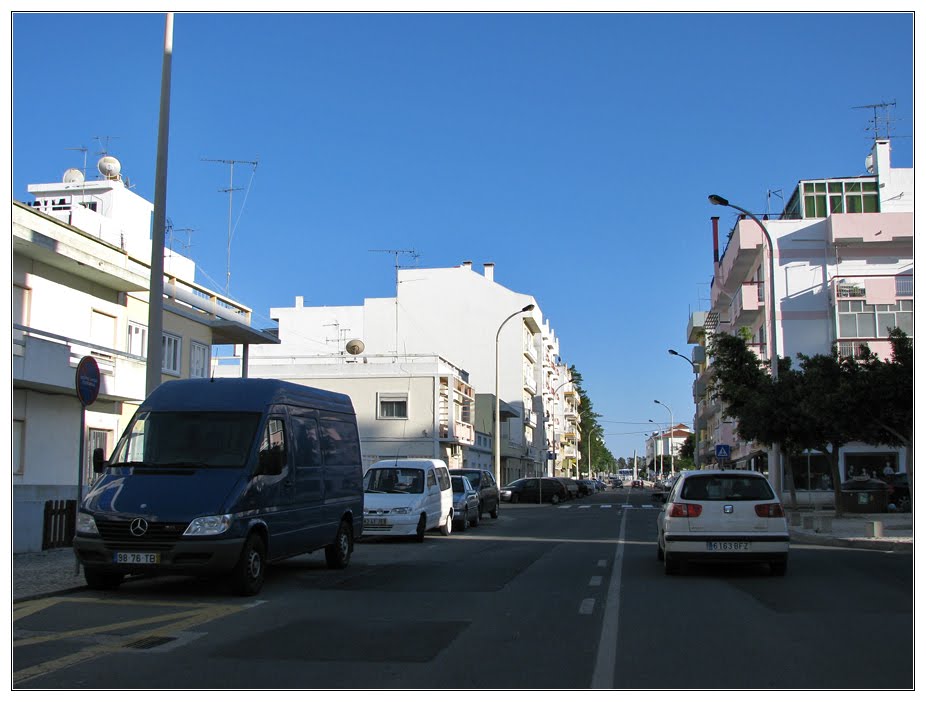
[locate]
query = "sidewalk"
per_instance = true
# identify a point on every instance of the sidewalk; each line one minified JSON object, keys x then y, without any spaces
{"x":53,"y":572}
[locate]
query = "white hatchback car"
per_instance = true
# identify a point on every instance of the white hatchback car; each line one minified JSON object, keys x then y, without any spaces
{"x":722,"y":516}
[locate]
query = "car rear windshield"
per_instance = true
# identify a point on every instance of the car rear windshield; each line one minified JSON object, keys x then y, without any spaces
{"x":473,"y":477}
{"x":728,"y":488}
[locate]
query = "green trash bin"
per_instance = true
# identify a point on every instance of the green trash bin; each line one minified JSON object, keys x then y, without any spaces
{"x":867,"y":496}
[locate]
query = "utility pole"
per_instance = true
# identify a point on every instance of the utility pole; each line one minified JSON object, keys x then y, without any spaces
{"x":414,"y":254}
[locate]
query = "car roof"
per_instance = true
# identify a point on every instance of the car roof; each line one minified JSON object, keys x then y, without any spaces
{"x":409,"y":463}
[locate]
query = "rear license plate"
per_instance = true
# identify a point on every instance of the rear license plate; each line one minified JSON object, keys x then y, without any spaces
{"x":132,"y":558}
{"x":374,"y":521}
{"x":728,"y":546}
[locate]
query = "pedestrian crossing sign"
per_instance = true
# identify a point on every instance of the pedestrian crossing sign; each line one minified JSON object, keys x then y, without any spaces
{"x":722,"y":451}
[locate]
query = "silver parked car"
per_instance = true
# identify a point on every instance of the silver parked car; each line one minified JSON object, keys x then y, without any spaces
{"x":722,"y":516}
{"x":465,"y":502}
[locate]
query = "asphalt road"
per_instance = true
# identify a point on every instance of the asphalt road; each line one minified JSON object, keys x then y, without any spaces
{"x":545,"y":597}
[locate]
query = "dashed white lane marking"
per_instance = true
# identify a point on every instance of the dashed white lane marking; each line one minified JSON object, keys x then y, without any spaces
{"x":602,"y":564}
{"x":584,"y":506}
{"x":595,"y":581}
{"x":587,"y":606}
{"x":606,"y":659}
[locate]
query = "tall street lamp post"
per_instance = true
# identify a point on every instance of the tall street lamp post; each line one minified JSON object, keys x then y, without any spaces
{"x":697,"y":458}
{"x":662,"y":454}
{"x":498,"y":429}
{"x":774,"y":467}
{"x":671,"y":435}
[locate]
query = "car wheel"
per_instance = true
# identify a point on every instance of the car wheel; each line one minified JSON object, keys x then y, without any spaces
{"x":248,"y":574}
{"x":903,"y":504}
{"x":779,"y":567}
{"x":515,"y":498}
{"x":494,"y":512}
{"x":476,"y":519}
{"x":102,"y":580}
{"x":337,"y":555}
{"x":554,"y":499}
{"x":671,"y":564}
{"x":422,"y":528}
{"x":660,"y":555}
{"x":447,"y":529}
{"x":464,"y":523}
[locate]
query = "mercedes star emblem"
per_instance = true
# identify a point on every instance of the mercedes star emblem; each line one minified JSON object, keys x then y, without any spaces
{"x":138,"y":527}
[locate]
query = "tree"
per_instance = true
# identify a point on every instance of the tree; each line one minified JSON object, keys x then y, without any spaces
{"x":591,"y":442}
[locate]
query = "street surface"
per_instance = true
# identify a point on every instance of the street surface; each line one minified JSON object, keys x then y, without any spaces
{"x":545,"y":597}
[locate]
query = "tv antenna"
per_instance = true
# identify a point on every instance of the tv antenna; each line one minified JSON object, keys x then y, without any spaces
{"x":877,"y":122}
{"x":415,"y":255}
{"x":230,"y":189}
{"x":768,"y":199}
{"x":104,"y":144}
{"x":341,"y":336}
{"x":170,"y":236}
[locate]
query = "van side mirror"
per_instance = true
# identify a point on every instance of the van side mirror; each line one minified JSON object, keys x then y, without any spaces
{"x":99,"y":463}
{"x":270,"y":461}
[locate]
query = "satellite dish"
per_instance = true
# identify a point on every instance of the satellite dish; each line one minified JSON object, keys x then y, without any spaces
{"x":354,"y":346}
{"x":73,"y":175}
{"x":109,"y":167}
{"x":870,"y":164}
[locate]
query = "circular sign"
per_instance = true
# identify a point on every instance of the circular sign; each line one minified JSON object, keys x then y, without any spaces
{"x":88,"y":380}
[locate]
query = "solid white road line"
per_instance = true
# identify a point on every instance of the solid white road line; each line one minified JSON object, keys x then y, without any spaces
{"x":606,"y":659}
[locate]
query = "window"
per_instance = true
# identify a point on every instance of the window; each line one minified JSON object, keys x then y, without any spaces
{"x":838,"y":197}
{"x":19,"y":428}
{"x":305,"y":436}
{"x":199,"y":360}
{"x":340,"y":442}
{"x":392,"y":406}
{"x":170,"y":348}
{"x":858,"y":319}
{"x":137,"y":343}
{"x":96,"y":438}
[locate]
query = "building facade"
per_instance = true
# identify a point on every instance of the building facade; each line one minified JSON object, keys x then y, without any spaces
{"x":843,"y":274}
{"x":81,"y":275}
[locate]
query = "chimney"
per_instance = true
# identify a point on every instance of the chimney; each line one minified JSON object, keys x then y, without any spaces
{"x":489,"y":269}
{"x":298,"y":301}
{"x":468,"y":265}
{"x":714,"y":222}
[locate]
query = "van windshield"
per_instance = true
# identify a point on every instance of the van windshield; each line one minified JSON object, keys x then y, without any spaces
{"x":394,"y":480}
{"x":187,"y":439}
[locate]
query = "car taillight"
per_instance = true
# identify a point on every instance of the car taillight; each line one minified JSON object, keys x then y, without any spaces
{"x":770,"y":510}
{"x":683,"y":509}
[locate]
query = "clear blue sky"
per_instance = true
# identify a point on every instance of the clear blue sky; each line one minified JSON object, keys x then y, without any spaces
{"x":576,"y":152}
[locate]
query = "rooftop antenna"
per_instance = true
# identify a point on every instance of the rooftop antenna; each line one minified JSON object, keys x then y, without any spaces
{"x":230,"y":189}
{"x":104,"y":147}
{"x":414,"y":254}
{"x":170,"y":236}
{"x":879,"y":124}
{"x":768,"y":199}
{"x":342,"y":335}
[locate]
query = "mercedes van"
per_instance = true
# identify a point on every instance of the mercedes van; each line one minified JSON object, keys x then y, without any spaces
{"x":224,"y":476}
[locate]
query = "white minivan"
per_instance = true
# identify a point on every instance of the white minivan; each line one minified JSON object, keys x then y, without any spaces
{"x":407,"y":497}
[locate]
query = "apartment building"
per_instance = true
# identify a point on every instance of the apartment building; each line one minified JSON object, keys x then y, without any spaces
{"x":663,"y":446}
{"x":469,"y":321}
{"x":843,"y":273}
{"x":81,"y":275}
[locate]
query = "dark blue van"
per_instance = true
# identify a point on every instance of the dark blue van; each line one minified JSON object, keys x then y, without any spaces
{"x":224,"y":476}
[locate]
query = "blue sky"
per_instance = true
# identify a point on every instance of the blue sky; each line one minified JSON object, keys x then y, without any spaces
{"x":575,"y":151}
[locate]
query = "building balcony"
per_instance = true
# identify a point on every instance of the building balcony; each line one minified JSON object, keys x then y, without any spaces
{"x":48,"y":362}
{"x":851,"y":348}
{"x":743,"y":251}
{"x":748,"y":304}
{"x":696,"y":327}
{"x":530,"y":384}
{"x":570,"y":452}
{"x":874,"y":290}
{"x":530,"y":418}
{"x":456,"y":433}
{"x":873,"y":228}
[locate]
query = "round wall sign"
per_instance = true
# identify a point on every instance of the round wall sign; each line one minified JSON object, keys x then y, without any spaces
{"x":88,"y":380}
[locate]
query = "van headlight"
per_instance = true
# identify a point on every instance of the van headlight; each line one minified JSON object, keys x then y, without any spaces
{"x":86,"y":524}
{"x":209,"y":526}
{"x":401,"y":510}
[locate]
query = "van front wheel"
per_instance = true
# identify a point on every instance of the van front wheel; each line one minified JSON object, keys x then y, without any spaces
{"x":447,"y":529}
{"x":248,"y":575}
{"x":337,"y":555}
{"x":422,"y":528}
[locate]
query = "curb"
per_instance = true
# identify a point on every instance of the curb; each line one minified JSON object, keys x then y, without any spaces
{"x":860,"y":543}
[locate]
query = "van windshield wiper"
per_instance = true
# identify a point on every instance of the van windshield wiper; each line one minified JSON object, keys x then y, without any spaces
{"x":181,"y":464}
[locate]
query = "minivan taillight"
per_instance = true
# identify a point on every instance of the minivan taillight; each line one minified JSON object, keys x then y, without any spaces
{"x":770,"y":510}
{"x":684,"y":509}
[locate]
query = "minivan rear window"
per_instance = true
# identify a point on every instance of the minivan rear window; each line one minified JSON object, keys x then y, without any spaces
{"x":187,"y":439}
{"x":706,"y":488}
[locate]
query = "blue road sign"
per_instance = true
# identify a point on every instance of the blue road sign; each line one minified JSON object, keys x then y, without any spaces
{"x":87,"y":380}
{"x":722,"y":451}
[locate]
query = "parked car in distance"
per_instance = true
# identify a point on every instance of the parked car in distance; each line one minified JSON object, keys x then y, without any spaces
{"x":572,"y":487}
{"x":407,"y":497}
{"x":636,"y":483}
{"x":528,"y":490}
{"x":584,"y":488}
{"x":601,"y":485}
{"x":465,"y":503}
{"x":898,"y":491}
{"x":483,"y":482}
{"x":722,"y":516}
{"x":617,"y":483}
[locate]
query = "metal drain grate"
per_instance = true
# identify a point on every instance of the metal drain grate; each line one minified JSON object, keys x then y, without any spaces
{"x":150,"y":642}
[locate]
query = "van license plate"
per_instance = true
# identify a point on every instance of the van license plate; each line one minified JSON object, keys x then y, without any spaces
{"x":728,"y":546}
{"x":136,"y":558}
{"x":374,"y":521}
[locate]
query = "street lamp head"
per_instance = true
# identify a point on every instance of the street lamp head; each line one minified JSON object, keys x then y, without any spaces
{"x":673,"y":352}
{"x":717,"y":200}
{"x":528,"y":308}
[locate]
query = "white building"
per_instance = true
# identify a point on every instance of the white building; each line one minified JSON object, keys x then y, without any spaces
{"x":843,"y":274}
{"x":663,"y":446}
{"x":455,"y":314}
{"x":81,"y":274}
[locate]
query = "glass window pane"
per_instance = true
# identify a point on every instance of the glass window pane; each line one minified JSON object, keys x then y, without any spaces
{"x":854,"y":187}
{"x":869,"y":186}
{"x":871,"y":203}
{"x":853,"y":203}
{"x":821,"y":205}
{"x":885,"y":322}
{"x":820,"y":187}
{"x":905,"y":322}
{"x":834,"y":187}
{"x":810,"y":209}
{"x":844,"y":306}
{"x":866,"y":324}
{"x":848,"y":326}
{"x":835,"y":204}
